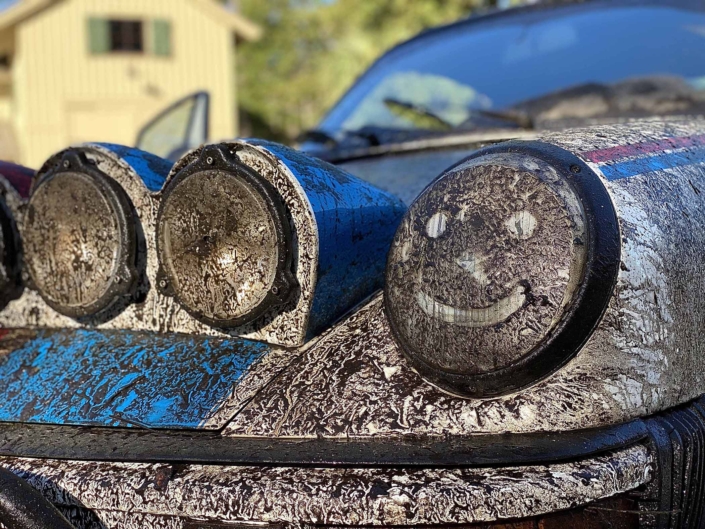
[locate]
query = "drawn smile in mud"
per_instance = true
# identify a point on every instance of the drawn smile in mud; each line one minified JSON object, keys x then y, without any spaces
{"x":495,"y":313}
{"x":519,"y":226}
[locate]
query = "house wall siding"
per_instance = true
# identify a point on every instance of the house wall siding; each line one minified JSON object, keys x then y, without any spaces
{"x":64,"y":94}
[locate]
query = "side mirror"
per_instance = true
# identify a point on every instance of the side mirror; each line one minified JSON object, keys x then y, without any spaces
{"x":178,"y":129}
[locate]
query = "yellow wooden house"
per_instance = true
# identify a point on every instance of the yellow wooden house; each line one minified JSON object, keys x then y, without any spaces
{"x":98,"y":70}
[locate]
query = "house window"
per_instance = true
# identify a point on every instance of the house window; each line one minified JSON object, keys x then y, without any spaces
{"x":131,"y":36}
{"x":125,"y":35}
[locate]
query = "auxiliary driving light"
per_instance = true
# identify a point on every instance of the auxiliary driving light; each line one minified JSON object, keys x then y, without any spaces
{"x":79,"y":238}
{"x":224,"y":241}
{"x":491,"y":279}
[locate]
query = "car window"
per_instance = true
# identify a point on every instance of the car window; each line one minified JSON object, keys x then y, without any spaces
{"x":182,"y":126}
{"x":607,"y":60}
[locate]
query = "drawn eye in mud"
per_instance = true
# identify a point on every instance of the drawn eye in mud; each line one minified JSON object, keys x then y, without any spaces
{"x":485,"y":266}
{"x":436,"y":225}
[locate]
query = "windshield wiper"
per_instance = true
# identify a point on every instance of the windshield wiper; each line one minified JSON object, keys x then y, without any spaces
{"x":325,"y":138}
{"x":425,"y":118}
{"x":317,"y":136}
{"x":520,"y":119}
{"x":420,"y":116}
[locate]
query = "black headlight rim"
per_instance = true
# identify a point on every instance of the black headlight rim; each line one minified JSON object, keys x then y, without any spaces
{"x":223,"y":157}
{"x":590,"y":301}
{"x":12,"y":259}
{"x":122,"y":282}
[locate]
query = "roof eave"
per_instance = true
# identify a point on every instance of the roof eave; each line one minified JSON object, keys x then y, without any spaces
{"x":243,"y":28}
{"x":21,"y":11}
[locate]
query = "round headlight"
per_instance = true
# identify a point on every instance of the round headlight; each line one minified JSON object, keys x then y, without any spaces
{"x":487,"y":274}
{"x":79,"y":238}
{"x":224,"y":241}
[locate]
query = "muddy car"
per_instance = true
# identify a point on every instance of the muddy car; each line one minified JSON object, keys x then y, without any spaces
{"x":472,"y":298}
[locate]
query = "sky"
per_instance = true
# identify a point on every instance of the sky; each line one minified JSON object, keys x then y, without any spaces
{"x":6,"y":3}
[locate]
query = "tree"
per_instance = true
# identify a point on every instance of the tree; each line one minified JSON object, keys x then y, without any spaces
{"x":312,"y":50}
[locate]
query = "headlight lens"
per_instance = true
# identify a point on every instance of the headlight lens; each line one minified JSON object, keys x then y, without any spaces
{"x":79,"y":239}
{"x":485,"y":272}
{"x":224,"y":241}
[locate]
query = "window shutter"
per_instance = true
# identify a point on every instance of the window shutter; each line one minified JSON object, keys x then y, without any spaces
{"x":98,"y":36}
{"x":161,"y":37}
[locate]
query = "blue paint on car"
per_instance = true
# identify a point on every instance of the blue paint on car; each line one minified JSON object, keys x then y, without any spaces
{"x":655,"y":162}
{"x":121,"y":378}
{"x":356,"y":224}
{"x":152,"y":169}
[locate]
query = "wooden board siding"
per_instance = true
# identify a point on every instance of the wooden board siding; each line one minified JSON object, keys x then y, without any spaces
{"x":58,"y":81}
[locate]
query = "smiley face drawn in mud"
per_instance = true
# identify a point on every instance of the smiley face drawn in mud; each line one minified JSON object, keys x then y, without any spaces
{"x":471,"y":264}
{"x":486,"y":263}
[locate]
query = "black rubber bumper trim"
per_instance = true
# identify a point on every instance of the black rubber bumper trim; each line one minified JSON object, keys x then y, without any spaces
{"x":128,"y":445}
{"x":675,"y":498}
{"x":23,"y":507}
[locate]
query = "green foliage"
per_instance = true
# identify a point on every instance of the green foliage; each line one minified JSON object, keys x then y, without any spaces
{"x":312,"y":50}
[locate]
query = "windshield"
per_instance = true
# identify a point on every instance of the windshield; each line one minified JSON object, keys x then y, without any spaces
{"x":514,"y":70}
